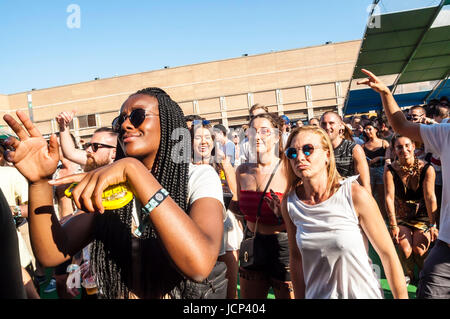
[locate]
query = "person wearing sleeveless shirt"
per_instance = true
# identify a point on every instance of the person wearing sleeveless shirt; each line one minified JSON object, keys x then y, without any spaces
{"x":411,"y":204}
{"x":434,"y":279}
{"x":349,"y":156}
{"x":329,"y":220}
{"x":252,"y":178}
{"x":375,"y":149}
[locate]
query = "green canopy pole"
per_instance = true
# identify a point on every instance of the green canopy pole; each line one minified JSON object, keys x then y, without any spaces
{"x":30,"y":106}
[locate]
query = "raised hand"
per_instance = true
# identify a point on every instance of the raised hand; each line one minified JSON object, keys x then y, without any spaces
{"x":274,"y":203}
{"x":87,"y":195}
{"x":374,"y":82}
{"x":32,"y":156}
{"x":64,"y":119}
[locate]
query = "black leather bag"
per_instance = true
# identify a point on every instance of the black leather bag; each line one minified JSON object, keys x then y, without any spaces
{"x":213,"y":287}
{"x":249,"y":254}
{"x":247,"y":257}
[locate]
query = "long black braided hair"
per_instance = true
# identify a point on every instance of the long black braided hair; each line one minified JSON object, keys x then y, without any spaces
{"x":152,"y":274}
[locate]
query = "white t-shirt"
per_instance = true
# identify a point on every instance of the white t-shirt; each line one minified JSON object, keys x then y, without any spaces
{"x":203,"y":182}
{"x":15,"y":188}
{"x":436,"y":139}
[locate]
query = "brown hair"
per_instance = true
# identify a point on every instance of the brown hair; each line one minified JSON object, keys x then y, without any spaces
{"x":277,"y":122}
{"x":258,"y":106}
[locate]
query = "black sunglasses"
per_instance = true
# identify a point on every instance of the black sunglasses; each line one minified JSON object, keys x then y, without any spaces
{"x":292,"y":153}
{"x":137,"y":116}
{"x":96,"y":146}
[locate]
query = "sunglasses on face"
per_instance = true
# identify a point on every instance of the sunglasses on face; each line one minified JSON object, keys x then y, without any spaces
{"x":201,"y":122}
{"x":307,"y":149}
{"x":137,"y":116}
{"x":96,"y":146}
{"x":264,"y":132}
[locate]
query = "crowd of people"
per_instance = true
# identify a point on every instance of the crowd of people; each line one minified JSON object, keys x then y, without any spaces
{"x":137,"y":213}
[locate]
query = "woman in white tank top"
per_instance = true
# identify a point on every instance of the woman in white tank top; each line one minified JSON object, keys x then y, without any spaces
{"x":327,"y":220}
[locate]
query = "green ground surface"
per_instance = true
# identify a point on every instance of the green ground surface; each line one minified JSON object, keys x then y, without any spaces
{"x":373,"y":255}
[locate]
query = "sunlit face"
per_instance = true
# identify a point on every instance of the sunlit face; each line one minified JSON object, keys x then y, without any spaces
{"x":305,"y":166}
{"x":235,"y":138}
{"x":308,"y":166}
{"x":370,"y":131}
{"x":203,"y":144}
{"x":103,"y":155}
{"x":141,"y":142}
{"x":332,"y":125}
{"x":314,"y":122}
{"x":404,"y":148}
{"x":416,"y":115}
{"x":263,"y":134}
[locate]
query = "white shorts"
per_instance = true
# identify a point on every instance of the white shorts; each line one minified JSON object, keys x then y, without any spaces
{"x":235,"y":233}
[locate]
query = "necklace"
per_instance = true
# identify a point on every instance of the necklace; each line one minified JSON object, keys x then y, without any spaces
{"x":410,"y":169}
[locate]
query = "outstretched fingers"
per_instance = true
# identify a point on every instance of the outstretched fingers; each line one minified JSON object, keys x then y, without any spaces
{"x":32,"y":130}
{"x":16,"y":127}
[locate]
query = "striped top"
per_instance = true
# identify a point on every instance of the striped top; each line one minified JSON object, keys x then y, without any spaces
{"x":343,"y":155}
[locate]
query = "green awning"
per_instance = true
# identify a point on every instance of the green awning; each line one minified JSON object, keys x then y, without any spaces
{"x":410,"y":46}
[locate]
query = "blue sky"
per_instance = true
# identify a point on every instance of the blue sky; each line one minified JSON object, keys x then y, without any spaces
{"x":118,"y":37}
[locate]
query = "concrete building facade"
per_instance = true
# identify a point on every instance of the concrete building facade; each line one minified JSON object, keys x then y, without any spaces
{"x":300,"y":83}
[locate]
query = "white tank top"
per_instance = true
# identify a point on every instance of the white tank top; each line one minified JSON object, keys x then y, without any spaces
{"x":334,"y":248}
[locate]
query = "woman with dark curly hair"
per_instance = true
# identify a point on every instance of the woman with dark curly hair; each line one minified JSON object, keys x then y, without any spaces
{"x":411,"y":204}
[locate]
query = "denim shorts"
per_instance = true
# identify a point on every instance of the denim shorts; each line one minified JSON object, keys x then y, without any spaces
{"x":276,"y":256}
{"x":376,"y":175}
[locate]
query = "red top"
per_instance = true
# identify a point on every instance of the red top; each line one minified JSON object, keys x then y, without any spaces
{"x":248,"y":204}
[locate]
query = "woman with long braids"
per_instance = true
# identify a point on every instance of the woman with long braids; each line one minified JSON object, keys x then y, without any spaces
{"x":165,"y":242}
{"x":411,"y":204}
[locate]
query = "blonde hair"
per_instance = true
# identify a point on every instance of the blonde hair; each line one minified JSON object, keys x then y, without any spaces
{"x":333,"y":176}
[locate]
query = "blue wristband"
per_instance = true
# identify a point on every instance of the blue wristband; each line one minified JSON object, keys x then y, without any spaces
{"x":154,"y":202}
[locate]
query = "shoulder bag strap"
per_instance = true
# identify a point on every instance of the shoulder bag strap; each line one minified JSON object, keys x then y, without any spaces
{"x":264,"y":194}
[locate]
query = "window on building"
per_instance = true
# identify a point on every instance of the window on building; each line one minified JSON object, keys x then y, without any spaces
{"x":86,"y":121}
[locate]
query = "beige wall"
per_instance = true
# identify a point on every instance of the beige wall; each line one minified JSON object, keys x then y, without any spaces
{"x":300,"y":83}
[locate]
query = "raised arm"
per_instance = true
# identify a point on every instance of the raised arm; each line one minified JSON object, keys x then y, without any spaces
{"x":393,"y":112}
{"x":234,"y":204}
{"x":192,"y":240}
{"x":68,"y":148}
{"x":373,"y":225}
{"x":37,"y":160}
{"x":230,"y":176}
